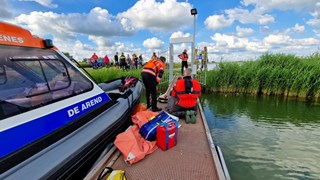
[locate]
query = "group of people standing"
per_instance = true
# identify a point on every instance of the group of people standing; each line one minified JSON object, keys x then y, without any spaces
{"x":122,"y":61}
{"x":201,"y":57}
{"x":127,"y":62}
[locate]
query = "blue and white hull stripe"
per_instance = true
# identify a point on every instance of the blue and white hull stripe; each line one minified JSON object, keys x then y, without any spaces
{"x":15,"y":138}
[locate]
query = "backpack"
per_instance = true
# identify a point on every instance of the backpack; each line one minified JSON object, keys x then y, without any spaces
{"x":149,"y":129}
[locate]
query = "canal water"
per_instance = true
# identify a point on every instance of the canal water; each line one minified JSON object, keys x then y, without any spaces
{"x":265,"y":137}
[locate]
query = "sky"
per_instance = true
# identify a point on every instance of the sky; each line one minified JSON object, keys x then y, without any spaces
{"x":232,"y":30}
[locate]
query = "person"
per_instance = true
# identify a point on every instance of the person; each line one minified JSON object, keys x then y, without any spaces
{"x":154,"y":56}
{"x":129,"y":62}
{"x":135,"y":60}
{"x":106,"y":61}
{"x":184,"y":96}
{"x":151,"y":75}
{"x":100,"y":62}
{"x":140,"y":60}
{"x":204,"y":56}
{"x":116,"y":59}
{"x":196,"y":58}
{"x":94,"y":61}
{"x":184,"y":60}
{"x":123,"y":62}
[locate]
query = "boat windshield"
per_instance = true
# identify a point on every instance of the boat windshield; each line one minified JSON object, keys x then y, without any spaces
{"x":31,"y":78}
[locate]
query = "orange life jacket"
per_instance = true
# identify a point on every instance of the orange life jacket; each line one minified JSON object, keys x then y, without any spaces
{"x":184,"y":56}
{"x":154,"y":67}
{"x":187,"y":90}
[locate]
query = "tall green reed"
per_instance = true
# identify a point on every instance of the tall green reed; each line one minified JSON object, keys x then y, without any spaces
{"x":271,"y":74}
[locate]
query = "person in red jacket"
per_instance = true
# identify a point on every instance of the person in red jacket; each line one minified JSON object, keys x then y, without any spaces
{"x":151,"y":76}
{"x":184,"y":95}
{"x":94,"y":61}
{"x":184,"y":60}
{"x":106,"y":61}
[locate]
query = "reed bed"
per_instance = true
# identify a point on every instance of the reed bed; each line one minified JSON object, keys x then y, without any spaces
{"x":272,"y":74}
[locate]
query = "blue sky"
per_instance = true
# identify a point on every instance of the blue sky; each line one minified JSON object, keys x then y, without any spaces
{"x":232,"y":30}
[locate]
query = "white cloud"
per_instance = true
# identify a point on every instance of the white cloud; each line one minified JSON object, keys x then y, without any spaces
{"x":307,"y":42}
{"x":224,"y":41}
{"x":101,"y":41}
{"x":217,"y":22}
{"x":97,"y":22}
{"x":315,"y":21}
{"x":179,"y":34}
{"x":233,"y":48}
{"x":241,"y":32}
{"x":279,"y":39}
{"x":298,"y":28}
{"x":266,"y":5}
{"x":153,"y":43}
{"x":98,"y":25}
{"x":43,"y":24}
{"x":46,"y":3}
{"x":159,"y":16}
{"x":245,"y":16}
{"x":76,"y":48}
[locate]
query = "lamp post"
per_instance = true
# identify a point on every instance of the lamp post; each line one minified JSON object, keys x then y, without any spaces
{"x":193,"y":13}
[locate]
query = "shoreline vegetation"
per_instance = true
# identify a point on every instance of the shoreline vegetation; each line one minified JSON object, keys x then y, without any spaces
{"x":272,"y":74}
{"x":279,"y":75}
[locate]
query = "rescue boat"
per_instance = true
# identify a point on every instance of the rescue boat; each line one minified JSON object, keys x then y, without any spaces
{"x":55,"y":121}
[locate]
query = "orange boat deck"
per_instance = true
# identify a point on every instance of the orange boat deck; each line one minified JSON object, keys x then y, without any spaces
{"x":194,"y":157}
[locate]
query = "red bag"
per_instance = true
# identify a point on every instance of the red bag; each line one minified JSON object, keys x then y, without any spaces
{"x":133,"y":146}
{"x":167,"y":135}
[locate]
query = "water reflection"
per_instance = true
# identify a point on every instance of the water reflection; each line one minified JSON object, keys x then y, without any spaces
{"x":266,"y":137}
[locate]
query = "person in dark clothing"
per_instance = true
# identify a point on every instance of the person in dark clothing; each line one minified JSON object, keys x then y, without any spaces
{"x":123,"y":62}
{"x":116,"y":59}
{"x":151,"y":76}
{"x":135,"y":60}
{"x":140,"y":60}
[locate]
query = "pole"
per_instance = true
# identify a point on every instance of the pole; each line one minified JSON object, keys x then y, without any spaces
{"x":192,"y":49}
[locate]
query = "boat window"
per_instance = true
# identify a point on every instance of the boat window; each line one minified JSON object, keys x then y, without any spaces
{"x":31,"y":78}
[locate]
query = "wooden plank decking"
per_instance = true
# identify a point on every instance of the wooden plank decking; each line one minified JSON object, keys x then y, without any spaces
{"x":194,"y":157}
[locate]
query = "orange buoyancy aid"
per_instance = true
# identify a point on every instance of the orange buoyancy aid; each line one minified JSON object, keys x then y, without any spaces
{"x":187,"y":90}
{"x":154,"y":67}
{"x":184,"y":56}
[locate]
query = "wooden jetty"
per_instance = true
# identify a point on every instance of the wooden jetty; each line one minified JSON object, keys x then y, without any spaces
{"x":194,"y":157}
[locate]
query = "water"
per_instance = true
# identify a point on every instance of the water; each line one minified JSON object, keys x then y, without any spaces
{"x":265,"y":138}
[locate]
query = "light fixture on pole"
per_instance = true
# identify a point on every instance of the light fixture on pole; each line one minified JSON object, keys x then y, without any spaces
{"x":193,"y":13}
